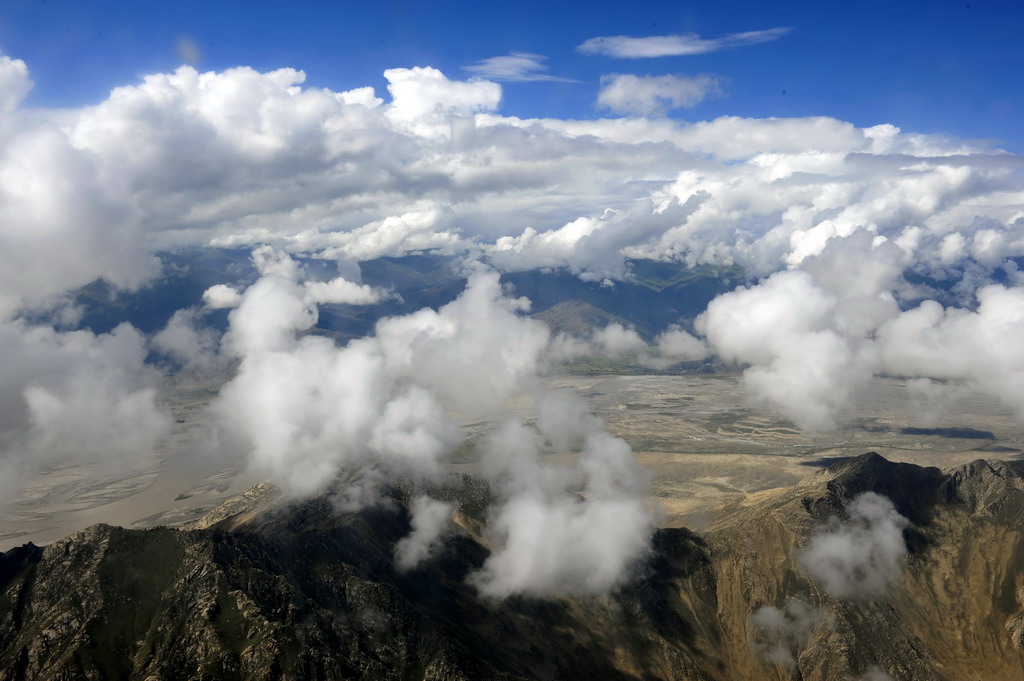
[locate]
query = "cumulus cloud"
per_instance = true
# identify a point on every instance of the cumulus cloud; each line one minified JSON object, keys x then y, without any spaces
{"x":340,"y":290}
{"x":423,"y":99}
{"x":682,"y":44}
{"x":221,"y":296}
{"x":782,"y":328}
{"x":305,"y":411}
{"x":680,"y":345}
{"x":592,"y":248}
{"x":395,"y":235}
{"x":241,"y":158}
{"x":476,"y":352}
{"x":515,"y":66}
{"x":563,"y":529}
{"x":654,"y":95}
{"x":777,"y":635}
{"x":615,"y":339}
{"x":931,"y":401}
{"x":61,"y":226}
{"x":672,"y":346}
{"x":563,"y":546}
{"x":302,"y":408}
{"x":811,"y":335}
{"x":187,"y":340}
{"x":978,"y":346}
{"x":430,"y":519}
{"x":859,"y":556}
{"x":14,"y":82}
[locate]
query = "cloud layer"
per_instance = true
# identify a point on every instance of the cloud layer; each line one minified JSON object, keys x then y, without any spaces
{"x":650,"y":95}
{"x":858,"y":251}
{"x":678,"y":45}
{"x":246,"y":158}
{"x":515,"y":66}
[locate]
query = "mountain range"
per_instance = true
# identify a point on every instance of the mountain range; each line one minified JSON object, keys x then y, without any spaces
{"x":266,"y":588}
{"x":657,"y":295}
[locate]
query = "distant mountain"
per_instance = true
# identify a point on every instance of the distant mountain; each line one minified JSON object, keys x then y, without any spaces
{"x":262,"y":589}
{"x":659,"y":295}
{"x":577,"y":318}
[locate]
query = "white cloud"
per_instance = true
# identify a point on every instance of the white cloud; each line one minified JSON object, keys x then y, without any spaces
{"x":550,"y":540}
{"x":654,"y":95}
{"x":799,"y":365}
{"x":61,"y":225}
{"x":680,"y":345}
{"x":630,"y":47}
{"x":563,"y":546}
{"x":14,"y":83}
{"x":859,"y":556}
{"x":395,"y":235}
{"x":423,"y":99}
{"x":592,"y":248}
{"x":616,"y":340}
{"x":515,"y":66}
{"x":672,"y":346}
{"x":932,"y":401}
{"x":188,"y":341}
{"x":430,"y":520}
{"x":220,"y":296}
{"x":778,"y":635}
{"x":341,"y":291}
{"x":303,"y":409}
{"x":475,"y":352}
{"x":242,"y":158}
{"x":979,"y":346}
{"x":75,"y":396}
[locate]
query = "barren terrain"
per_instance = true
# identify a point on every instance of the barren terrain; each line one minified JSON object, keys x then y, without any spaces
{"x":705,"y":444}
{"x":702,"y":441}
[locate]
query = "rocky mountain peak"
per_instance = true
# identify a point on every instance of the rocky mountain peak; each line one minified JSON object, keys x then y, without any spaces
{"x":912,"y":489}
{"x":984,"y":486}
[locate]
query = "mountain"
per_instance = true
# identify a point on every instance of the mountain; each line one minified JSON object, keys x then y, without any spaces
{"x":658,"y":295}
{"x":266,"y":589}
{"x":958,"y":601}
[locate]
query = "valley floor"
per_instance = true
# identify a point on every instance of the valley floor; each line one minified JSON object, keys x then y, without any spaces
{"x":702,"y":441}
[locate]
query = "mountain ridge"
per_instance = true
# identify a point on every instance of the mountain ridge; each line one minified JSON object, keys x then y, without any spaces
{"x":273,"y":589}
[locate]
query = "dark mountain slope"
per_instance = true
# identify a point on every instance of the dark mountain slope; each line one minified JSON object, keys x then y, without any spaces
{"x":306,"y":593}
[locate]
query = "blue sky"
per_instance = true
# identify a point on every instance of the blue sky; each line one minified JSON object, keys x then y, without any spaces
{"x":927,"y":66}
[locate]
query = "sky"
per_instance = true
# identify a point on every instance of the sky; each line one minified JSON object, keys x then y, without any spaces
{"x":933,"y":67}
{"x":846,"y":161}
